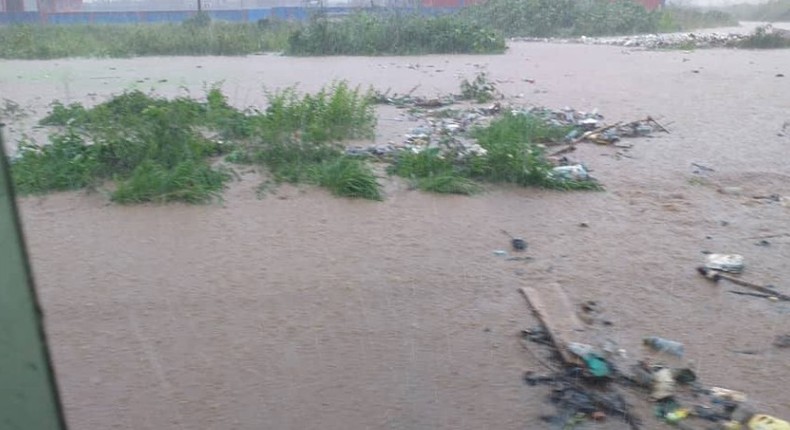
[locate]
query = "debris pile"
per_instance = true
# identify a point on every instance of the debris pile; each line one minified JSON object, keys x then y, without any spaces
{"x":447,"y":128}
{"x":656,"y":41}
{"x":586,"y":379}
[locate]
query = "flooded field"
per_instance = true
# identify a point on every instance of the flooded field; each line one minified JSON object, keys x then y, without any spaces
{"x":300,"y":310}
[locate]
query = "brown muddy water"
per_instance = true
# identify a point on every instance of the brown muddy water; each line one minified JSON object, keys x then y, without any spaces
{"x":305,"y":311}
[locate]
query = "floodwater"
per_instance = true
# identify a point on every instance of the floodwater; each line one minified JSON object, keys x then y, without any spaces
{"x":300,"y":310}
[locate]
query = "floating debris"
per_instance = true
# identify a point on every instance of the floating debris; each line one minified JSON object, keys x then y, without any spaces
{"x":656,"y":41}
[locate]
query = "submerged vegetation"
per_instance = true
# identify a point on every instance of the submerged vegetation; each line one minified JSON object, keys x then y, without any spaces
{"x":476,"y":29}
{"x":145,"y":148}
{"x":156,"y":149}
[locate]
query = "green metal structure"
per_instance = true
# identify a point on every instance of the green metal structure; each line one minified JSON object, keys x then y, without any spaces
{"x":28,"y":393}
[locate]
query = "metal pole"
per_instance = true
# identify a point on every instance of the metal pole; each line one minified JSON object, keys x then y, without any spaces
{"x":28,"y":390}
{"x":200,"y":5}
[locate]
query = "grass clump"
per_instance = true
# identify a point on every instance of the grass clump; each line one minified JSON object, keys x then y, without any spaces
{"x":149,"y":146}
{"x":513,"y":156}
{"x":332,"y":114}
{"x":393,"y":34}
{"x":434,"y":172}
{"x":188,"y":181}
{"x":349,"y":177}
{"x":297,"y":139}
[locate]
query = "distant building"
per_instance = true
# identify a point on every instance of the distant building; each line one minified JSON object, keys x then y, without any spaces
{"x":46,"y":6}
{"x":652,"y":4}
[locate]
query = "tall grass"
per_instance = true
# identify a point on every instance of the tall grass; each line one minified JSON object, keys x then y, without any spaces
{"x":132,"y":40}
{"x":676,"y":19}
{"x":360,"y":34}
{"x":564,"y":18}
{"x":393,"y":33}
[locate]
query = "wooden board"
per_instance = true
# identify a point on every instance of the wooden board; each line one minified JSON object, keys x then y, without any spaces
{"x":555,"y":311}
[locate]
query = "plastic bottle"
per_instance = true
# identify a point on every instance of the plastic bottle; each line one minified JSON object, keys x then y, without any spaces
{"x":664,"y":345}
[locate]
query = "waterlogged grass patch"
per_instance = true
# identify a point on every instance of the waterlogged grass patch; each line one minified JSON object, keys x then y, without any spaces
{"x":189,"y":181}
{"x":349,"y":177}
{"x":156,"y":149}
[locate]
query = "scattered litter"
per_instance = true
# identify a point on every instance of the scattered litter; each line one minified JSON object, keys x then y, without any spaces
{"x":656,"y":41}
{"x":500,"y":253}
{"x":576,"y":172}
{"x":732,"y":263}
{"x":664,"y":345}
{"x":768,"y":290}
{"x":731,"y":191}
{"x":517,"y":243}
{"x":727,"y":394}
{"x":584,"y":384}
{"x":519,"y":259}
{"x":702,"y":169}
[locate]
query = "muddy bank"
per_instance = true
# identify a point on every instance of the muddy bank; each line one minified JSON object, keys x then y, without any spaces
{"x":301,"y":310}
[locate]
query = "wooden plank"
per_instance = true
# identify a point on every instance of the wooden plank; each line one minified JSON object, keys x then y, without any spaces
{"x":556,"y":313}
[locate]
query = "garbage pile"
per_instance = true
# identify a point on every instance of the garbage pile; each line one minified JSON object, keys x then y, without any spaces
{"x":442,"y":128}
{"x":447,"y":129}
{"x":656,"y":41}
{"x":587,"y":379}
